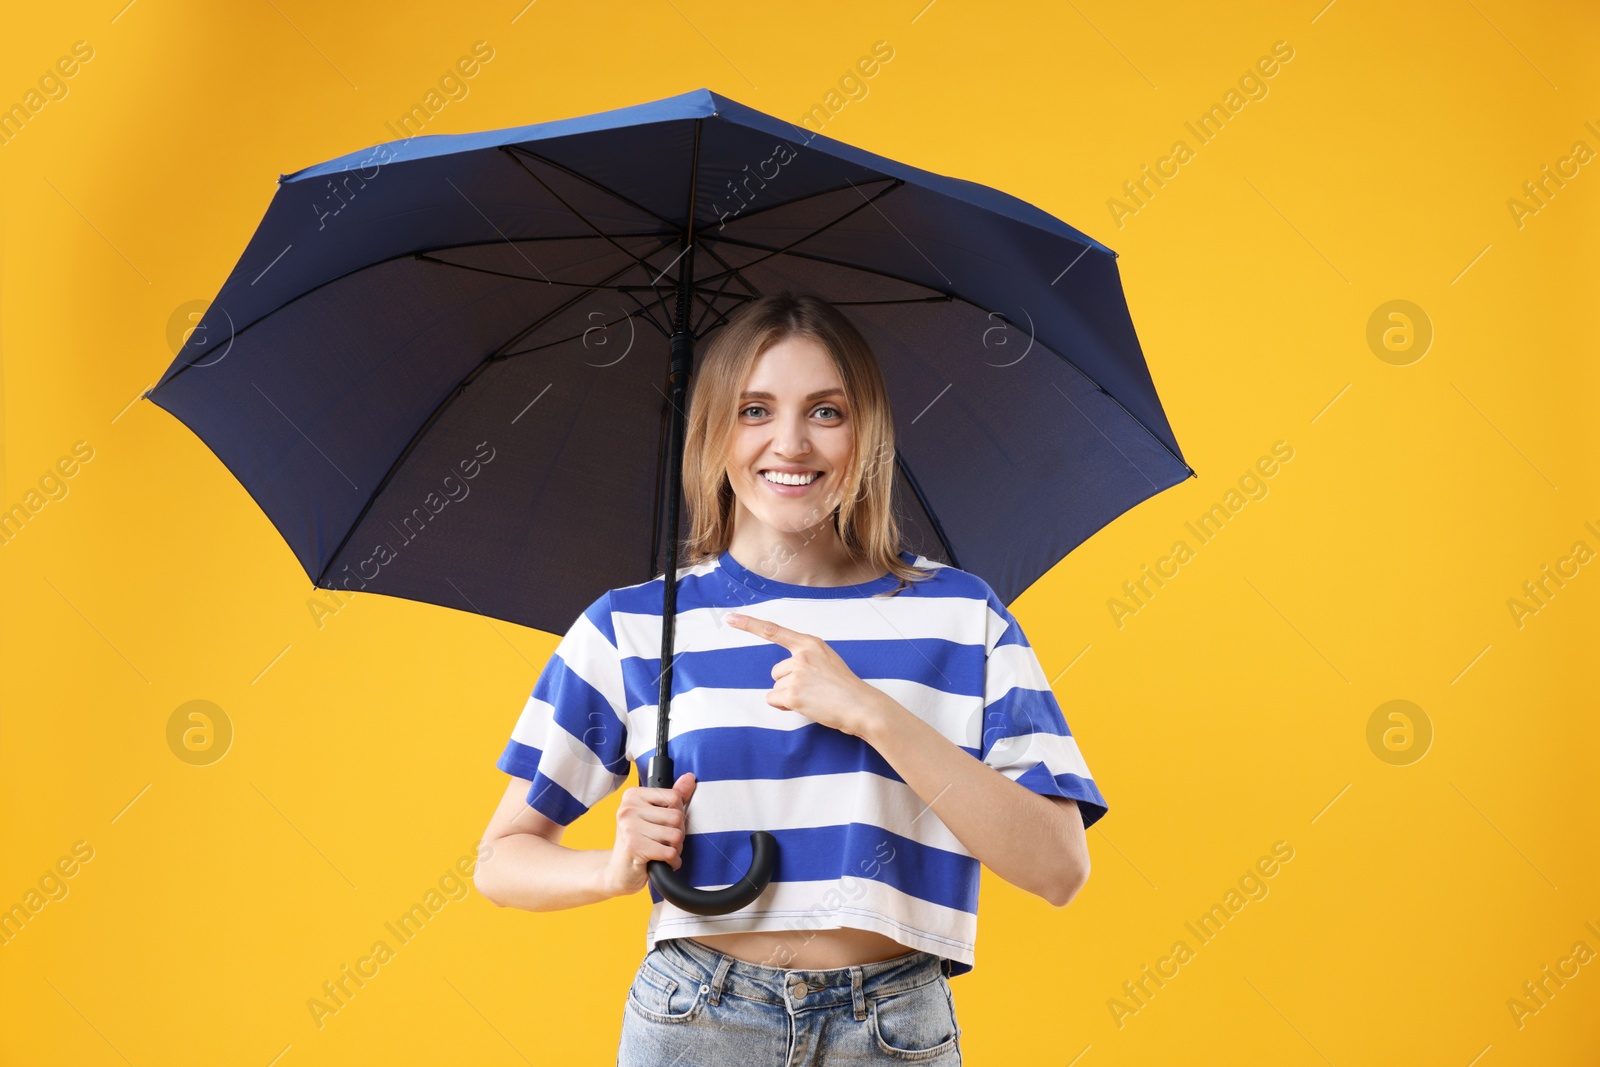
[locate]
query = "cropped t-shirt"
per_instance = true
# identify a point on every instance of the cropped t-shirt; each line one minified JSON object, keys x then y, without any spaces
{"x":857,"y":847}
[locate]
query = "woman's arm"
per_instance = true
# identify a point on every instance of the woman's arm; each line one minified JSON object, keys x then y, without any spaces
{"x":528,"y":867}
{"x":1035,"y":842}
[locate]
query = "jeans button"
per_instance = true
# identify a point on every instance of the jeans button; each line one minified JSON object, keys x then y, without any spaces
{"x":799,"y":990}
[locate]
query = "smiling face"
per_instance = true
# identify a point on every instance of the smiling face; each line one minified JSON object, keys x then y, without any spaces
{"x":792,"y":446}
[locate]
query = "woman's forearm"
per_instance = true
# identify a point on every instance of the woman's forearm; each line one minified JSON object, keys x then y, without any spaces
{"x":1015,"y":832}
{"x":530,"y":872}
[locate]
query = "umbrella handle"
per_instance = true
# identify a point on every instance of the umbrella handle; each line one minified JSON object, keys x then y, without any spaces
{"x":763,"y":853}
{"x":672,"y":886}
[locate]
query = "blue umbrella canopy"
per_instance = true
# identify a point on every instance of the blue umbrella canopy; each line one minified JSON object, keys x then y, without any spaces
{"x":440,"y":366}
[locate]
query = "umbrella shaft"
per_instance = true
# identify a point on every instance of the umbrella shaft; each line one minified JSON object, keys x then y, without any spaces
{"x":682,"y":365}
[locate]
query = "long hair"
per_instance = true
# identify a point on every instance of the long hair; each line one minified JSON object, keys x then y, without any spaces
{"x":864,"y":517}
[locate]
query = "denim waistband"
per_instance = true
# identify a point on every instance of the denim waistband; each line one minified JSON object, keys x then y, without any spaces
{"x":804,"y":987}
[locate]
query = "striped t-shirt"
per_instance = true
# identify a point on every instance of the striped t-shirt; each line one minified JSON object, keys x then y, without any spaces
{"x":857,"y":847}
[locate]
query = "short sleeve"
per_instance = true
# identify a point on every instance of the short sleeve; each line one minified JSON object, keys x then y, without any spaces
{"x":571,"y":738}
{"x":1025,"y":734}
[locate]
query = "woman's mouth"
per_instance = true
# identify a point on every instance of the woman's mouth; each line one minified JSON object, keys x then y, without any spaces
{"x":786,"y":484}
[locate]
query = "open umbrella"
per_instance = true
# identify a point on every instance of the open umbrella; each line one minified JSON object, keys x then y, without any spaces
{"x":469,"y":316}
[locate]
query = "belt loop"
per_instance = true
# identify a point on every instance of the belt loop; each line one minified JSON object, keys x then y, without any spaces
{"x":719,"y":977}
{"x":944,"y":965}
{"x":857,"y":997}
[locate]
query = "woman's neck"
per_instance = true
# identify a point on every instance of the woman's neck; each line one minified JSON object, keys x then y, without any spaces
{"x":814,"y":557}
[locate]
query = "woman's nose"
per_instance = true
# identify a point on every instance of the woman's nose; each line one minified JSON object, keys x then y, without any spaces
{"x":792,"y":441}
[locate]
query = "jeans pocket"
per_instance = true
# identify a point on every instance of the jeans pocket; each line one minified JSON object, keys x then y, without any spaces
{"x":664,"y":994}
{"x":918,"y":1024}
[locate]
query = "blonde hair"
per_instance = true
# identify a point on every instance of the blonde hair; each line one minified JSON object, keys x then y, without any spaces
{"x":864,"y":518}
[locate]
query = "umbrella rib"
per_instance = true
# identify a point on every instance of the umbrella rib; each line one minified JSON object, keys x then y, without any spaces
{"x":927,"y":509}
{"x":626,"y":290}
{"x":711,"y":309}
{"x":648,"y":317}
{"x":501,"y":357}
{"x":818,"y":195}
{"x":499,"y":351}
{"x":563,"y":168}
{"x":946,"y":294}
{"x":399,"y":461}
{"x":578,"y":214}
{"x":545,"y":237}
{"x":865,"y":203}
{"x":939,"y":299}
{"x":711,"y":303}
{"x":714,"y":254}
{"x":424,"y":257}
{"x":942,"y":298}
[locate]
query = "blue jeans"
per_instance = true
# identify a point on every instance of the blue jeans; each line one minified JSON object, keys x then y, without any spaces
{"x":691,"y":1006}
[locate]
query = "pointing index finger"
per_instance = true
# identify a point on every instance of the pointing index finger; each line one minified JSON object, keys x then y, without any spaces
{"x":766,"y":628}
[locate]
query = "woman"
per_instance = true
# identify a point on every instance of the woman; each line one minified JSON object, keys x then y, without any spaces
{"x":884,"y":796}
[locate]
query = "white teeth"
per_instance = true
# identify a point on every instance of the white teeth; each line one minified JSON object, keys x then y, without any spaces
{"x":789,"y":479}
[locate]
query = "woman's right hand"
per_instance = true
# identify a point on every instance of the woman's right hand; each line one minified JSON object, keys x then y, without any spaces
{"x":651,"y":825}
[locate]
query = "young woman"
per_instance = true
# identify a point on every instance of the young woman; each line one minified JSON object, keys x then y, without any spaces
{"x":884,"y":794}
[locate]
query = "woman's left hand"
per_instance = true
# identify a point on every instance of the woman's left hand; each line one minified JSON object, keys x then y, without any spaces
{"x":814,"y":680}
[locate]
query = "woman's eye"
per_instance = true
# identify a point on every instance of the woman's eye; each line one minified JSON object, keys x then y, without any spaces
{"x":824,"y":408}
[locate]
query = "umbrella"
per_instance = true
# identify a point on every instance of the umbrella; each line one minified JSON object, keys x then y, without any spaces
{"x":475,"y":316}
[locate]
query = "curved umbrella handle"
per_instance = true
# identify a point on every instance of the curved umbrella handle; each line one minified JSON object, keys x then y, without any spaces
{"x":763,"y":853}
{"x":671,"y":885}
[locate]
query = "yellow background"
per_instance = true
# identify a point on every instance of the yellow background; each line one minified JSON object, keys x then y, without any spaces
{"x":1229,"y":713}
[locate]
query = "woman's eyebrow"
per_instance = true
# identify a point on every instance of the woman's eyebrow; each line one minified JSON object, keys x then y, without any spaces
{"x":818,"y":395}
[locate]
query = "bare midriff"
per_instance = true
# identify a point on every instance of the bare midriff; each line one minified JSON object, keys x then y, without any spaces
{"x":806,"y":949}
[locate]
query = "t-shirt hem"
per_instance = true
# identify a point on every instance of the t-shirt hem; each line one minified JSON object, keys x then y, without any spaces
{"x":960,"y":952}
